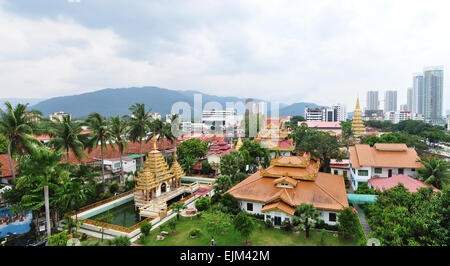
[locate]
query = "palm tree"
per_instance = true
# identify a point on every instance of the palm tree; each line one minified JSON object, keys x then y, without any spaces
{"x":100,"y":135}
{"x":117,"y":130}
{"x":162,"y":131}
{"x":71,"y":196}
{"x":306,"y":214}
{"x":65,"y":137}
{"x":15,"y":126}
{"x":434,"y":172}
{"x":139,"y":124}
{"x":177,"y":207}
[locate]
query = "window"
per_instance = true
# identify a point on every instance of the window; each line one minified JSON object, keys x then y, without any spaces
{"x":363,"y":172}
{"x":249,"y":206}
{"x":335,"y":172}
{"x":413,"y":169}
{"x":332,"y":217}
{"x":400,"y":171}
{"x":267,"y":217}
{"x":378,"y":170}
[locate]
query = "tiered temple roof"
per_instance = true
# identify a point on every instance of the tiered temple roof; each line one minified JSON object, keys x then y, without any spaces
{"x":357,"y":122}
{"x":290,"y":181}
{"x":273,"y":136}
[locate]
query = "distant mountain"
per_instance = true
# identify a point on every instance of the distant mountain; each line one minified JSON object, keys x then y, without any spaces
{"x":15,"y":101}
{"x":111,"y":102}
{"x":296,"y":109}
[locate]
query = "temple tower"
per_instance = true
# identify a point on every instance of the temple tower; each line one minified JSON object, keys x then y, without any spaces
{"x":357,"y":123}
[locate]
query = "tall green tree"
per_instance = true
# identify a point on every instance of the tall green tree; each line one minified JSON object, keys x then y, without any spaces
{"x":321,"y":145}
{"x":306,"y":215}
{"x":118,"y":129}
{"x":232,"y":163}
{"x":70,"y":195}
{"x":15,"y":126}
{"x":64,"y":137}
{"x":244,"y":224}
{"x":348,"y":223}
{"x":435,"y":171}
{"x":254,"y":154}
{"x":139,"y":125}
{"x":100,"y":135}
{"x":189,"y":151}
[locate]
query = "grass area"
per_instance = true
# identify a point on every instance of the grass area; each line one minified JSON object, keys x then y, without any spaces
{"x":260,"y":237}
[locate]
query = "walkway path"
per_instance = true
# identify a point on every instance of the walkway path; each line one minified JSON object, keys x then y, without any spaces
{"x":363,"y":220}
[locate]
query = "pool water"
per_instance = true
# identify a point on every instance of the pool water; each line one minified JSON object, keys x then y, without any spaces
{"x":123,"y":215}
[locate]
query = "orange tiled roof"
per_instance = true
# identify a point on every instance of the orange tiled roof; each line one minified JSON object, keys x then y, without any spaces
{"x":5,"y":169}
{"x":384,"y":155}
{"x":325,"y":192}
{"x":281,"y":206}
{"x":286,"y":179}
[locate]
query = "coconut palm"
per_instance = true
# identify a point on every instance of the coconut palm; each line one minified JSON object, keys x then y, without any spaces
{"x":434,"y":172}
{"x":70,"y":196}
{"x":139,"y":124}
{"x":15,"y":126}
{"x":117,"y":130}
{"x":100,"y":135}
{"x":64,"y":136}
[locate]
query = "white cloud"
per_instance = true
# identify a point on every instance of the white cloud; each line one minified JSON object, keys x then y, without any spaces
{"x":320,"y":51}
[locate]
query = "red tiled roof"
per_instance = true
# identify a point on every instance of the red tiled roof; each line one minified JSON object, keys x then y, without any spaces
{"x":321,"y":124}
{"x":133,"y":148}
{"x":386,"y":183}
{"x":6,"y":168}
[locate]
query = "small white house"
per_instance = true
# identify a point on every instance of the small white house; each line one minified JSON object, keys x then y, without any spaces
{"x":113,"y":165}
{"x":382,"y":160}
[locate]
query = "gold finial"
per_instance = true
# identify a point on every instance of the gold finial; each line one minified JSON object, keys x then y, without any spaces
{"x":357,"y":103}
{"x":175,"y":156}
{"x":154,"y":142}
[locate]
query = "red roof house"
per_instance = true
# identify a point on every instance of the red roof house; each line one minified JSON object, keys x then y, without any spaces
{"x":386,"y":183}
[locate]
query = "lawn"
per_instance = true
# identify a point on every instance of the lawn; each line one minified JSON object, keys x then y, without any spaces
{"x":260,"y":237}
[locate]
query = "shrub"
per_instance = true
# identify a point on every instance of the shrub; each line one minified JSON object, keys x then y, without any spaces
{"x":286,"y":226}
{"x":145,"y":228}
{"x":230,"y":203}
{"x":323,"y":236}
{"x":216,"y":198}
{"x":83,"y":236}
{"x":257,"y":216}
{"x":194,"y":232}
{"x":268,"y":223}
{"x":113,"y":187}
{"x":129,"y":184}
{"x":172,"y":225}
{"x":322,"y":225}
{"x":120,"y":241}
{"x":203,"y":204}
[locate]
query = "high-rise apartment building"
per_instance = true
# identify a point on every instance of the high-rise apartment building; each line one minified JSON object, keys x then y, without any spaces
{"x":372,"y":100}
{"x":409,"y":99}
{"x":417,"y":102}
{"x":433,"y":93}
{"x":341,"y":112}
{"x":390,"y":101}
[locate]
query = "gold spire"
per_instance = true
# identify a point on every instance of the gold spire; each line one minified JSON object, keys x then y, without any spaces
{"x":154,"y":142}
{"x":357,"y":123}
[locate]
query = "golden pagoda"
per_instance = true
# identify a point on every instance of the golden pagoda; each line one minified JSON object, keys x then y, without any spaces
{"x":357,"y":123}
{"x":155,"y":178}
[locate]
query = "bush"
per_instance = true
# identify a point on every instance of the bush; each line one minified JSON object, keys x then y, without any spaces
{"x":257,"y":216}
{"x":203,"y":204}
{"x":83,"y":237}
{"x":286,"y":226}
{"x":216,"y":198}
{"x":322,"y":225}
{"x":363,"y":188}
{"x":145,"y":228}
{"x":268,"y":223}
{"x":113,"y":187}
{"x":129,"y":184}
{"x":172,"y":225}
{"x":230,"y":203}
{"x":194,"y":232}
{"x":121,"y":241}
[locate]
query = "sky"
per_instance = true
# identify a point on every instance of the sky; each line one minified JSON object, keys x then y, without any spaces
{"x":324,"y":52}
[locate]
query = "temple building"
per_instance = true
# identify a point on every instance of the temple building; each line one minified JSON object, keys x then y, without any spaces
{"x":288,"y":182}
{"x":155,"y":178}
{"x":239,"y":143}
{"x":273,"y":137}
{"x":357,"y":122}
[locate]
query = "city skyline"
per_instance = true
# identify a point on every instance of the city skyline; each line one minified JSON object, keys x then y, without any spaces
{"x":240,"y":48}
